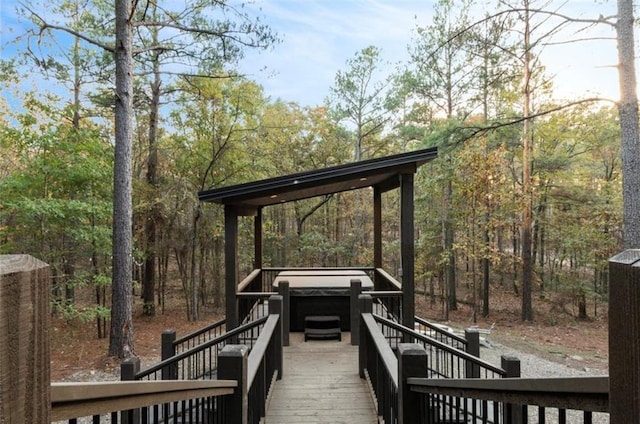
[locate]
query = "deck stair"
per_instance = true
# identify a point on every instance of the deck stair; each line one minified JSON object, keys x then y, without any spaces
{"x":322,"y":327}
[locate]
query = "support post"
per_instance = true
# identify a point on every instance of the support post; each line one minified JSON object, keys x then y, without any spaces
{"x":354,"y":314}
{"x":128,"y":370}
{"x":407,"y":249}
{"x":25,"y":285}
{"x":257,"y":240}
{"x":514,"y":414}
{"x":472,"y":336}
{"x":275,"y":308}
{"x":377,"y":229}
{"x":167,"y":351}
{"x":230,"y":265}
{"x":624,"y":332}
{"x":283,"y":290}
{"x":412,"y":362}
{"x":232,"y":365}
{"x":366,"y":307}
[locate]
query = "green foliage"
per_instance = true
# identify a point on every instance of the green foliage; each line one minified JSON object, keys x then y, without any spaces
{"x":459,"y":92}
{"x":56,"y":199}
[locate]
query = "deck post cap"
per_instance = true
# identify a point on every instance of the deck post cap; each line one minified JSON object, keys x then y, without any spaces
{"x":412,"y":349}
{"x":234,"y":350}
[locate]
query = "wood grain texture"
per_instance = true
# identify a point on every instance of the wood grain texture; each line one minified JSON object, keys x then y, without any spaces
{"x":624,"y":333}
{"x":24,"y":340}
{"x":321,"y":385}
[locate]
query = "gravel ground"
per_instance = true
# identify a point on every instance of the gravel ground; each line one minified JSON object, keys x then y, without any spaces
{"x":533,"y":366}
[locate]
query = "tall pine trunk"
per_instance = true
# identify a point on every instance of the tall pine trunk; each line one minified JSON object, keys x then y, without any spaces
{"x":121,"y":336}
{"x":527,"y":152}
{"x":150,"y":231}
{"x":628,"y":113}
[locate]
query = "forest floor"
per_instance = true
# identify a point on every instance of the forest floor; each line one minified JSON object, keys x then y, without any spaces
{"x":555,"y":334}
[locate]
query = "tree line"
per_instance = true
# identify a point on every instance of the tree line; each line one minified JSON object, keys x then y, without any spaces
{"x":526,"y":195}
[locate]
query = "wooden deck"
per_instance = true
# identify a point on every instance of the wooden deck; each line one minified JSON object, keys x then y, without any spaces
{"x":321,"y":385}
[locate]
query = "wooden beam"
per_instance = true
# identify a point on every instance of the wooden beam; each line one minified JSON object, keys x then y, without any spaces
{"x":24,"y":340}
{"x":230,"y":265}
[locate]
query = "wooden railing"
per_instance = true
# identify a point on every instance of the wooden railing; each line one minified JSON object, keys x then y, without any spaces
{"x":379,"y":365}
{"x":202,"y":361}
{"x":385,"y":282}
{"x":387,"y":295}
{"x":239,"y":394}
{"x":251,"y":296}
{"x":196,"y":338}
{"x":442,"y":335}
{"x":146,"y":401}
{"x":264,"y":368}
{"x":423,"y":382}
{"x":255,"y":371}
{"x":513,"y":400}
{"x":444,"y":360}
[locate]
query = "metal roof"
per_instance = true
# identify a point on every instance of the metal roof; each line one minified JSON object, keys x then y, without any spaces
{"x":380,"y":172}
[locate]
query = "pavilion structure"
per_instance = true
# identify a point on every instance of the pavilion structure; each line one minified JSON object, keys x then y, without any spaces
{"x":381,"y":174}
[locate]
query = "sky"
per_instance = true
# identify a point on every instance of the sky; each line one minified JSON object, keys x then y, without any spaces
{"x":319,"y":36}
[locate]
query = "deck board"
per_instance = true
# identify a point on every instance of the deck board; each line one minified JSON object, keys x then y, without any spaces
{"x":321,"y":385}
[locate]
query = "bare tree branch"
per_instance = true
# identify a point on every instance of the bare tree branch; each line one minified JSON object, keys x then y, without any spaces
{"x":43,"y":25}
{"x":479,"y":130}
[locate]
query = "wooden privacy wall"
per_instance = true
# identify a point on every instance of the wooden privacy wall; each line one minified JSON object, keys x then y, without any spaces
{"x":24,"y":340}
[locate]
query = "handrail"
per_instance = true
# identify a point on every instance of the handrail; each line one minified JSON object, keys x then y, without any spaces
{"x":580,"y":393}
{"x":439,"y":330}
{"x":248,"y":280}
{"x":384,"y":274}
{"x":72,"y":400}
{"x":440,"y":345}
{"x":252,"y":295}
{"x":187,"y":353}
{"x":384,"y":293}
{"x":311,"y":268}
{"x":386,"y":353}
{"x":199,"y":332}
{"x":260,"y":348}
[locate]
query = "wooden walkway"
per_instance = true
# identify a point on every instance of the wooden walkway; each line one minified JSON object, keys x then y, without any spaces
{"x":321,"y":385}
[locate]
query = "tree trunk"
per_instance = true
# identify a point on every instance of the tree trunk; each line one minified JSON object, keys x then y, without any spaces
{"x":193,"y":283}
{"x":527,"y":150}
{"x":628,"y":113}
{"x":149,"y":275}
{"x":121,"y":336}
{"x":449,"y":239}
{"x":485,"y":269}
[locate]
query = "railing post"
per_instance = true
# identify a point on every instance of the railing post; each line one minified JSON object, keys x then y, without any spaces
{"x":128,"y":370}
{"x":356,"y":289}
{"x":283,"y":290}
{"x":472,"y":336}
{"x":624,"y":327}
{"x":366,"y":307}
{"x":412,"y":362}
{"x":232,"y":365}
{"x":513,"y":414}
{"x":275,"y":308}
{"x":25,"y":319}
{"x":168,"y":350}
